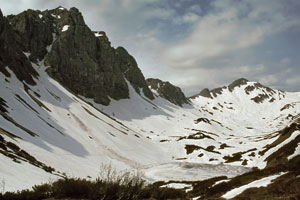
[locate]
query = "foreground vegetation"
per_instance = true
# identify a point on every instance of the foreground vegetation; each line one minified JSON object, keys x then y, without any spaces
{"x":84,"y":189}
{"x":129,"y":186}
{"x":110,"y":185}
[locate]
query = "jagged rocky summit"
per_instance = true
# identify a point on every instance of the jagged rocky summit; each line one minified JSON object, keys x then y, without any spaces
{"x":80,"y":59}
{"x":224,"y":132}
{"x":168,"y":91}
{"x":11,"y":54}
{"x":265,"y":93}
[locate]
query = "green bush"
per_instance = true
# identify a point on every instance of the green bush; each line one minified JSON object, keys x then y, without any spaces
{"x":111,"y":184}
{"x":153,"y":191}
{"x":71,"y":187}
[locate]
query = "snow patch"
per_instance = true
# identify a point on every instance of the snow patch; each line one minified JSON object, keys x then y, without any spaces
{"x":184,"y":171}
{"x":259,"y":183}
{"x":27,"y":54}
{"x":55,"y":16}
{"x":98,"y":34}
{"x":40,"y":16}
{"x":49,"y":47}
{"x":177,"y":185}
{"x":65,"y":28}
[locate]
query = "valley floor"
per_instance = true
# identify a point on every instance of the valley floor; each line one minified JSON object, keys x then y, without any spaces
{"x":46,"y":127}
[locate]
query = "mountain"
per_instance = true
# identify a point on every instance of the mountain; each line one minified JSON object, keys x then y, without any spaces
{"x":54,"y":35}
{"x":167,"y":91}
{"x":69,"y":103}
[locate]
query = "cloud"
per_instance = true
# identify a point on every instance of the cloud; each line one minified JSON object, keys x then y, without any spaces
{"x":196,"y":44}
{"x":230,"y":28}
{"x":226,"y":30}
{"x":295,"y":80}
{"x":268,"y":79}
{"x":285,"y":62}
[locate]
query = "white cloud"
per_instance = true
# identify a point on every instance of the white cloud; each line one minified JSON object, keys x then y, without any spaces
{"x":224,"y":31}
{"x":285,"y":62}
{"x":268,"y":79}
{"x":293,"y":80}
{"x":201,"y":57}
{"x":190,"y":17}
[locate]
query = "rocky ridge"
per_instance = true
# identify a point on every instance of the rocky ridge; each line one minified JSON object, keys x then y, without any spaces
{"x":265,"y":93}
{"x":42,"y":125}
{"x":81,"y":60}
{"x":168,"y":91}
{"x":11,"y":54}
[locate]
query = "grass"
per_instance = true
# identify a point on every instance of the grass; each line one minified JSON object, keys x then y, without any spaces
{"x":283,"y":135}
{"x":190,"y":148}
{"x":237,"y":157}
{"x":281,"y":155}
{"x":234,"y":158}
{"x":195,"y":136}
{"x":110,"y":185}
{"x":284,"y":187}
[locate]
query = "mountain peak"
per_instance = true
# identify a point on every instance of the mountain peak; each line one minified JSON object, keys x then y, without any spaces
{"x":44,"y":122}
{"x":167,"y":91}
{"x":262,"y":92}
{"x":12,"y":54}
{"x":76,"y":57}
{"x":237,"y":83}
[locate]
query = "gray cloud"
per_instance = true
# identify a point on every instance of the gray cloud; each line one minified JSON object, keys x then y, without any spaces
{"x":196,"y":44}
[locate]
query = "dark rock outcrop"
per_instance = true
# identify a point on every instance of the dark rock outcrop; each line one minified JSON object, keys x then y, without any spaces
{"x":204,"y":93}
{"x":237,"y":83}
{"x":217,"y":91}
{"x":168,"y":91}
{"x":34,"y":30}
{"x":81,"y":60}
{"x":12,"y":56}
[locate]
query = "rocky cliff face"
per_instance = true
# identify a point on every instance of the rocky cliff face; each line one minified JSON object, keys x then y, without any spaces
{"x":168,"y":91}
{"x":81,"y":60}
{"x":12,"y":56}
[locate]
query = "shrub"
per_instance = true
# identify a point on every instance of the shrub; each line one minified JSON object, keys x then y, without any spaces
{"x":71,"y":187}
{"x":153,"y":191}
{"x":111,"y":184}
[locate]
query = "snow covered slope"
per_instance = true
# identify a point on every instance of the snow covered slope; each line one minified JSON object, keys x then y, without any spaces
{"x":232,"y":123}
{"x":48,"y":131}
{"x":74,"y":135}
{"x":61,"y":130}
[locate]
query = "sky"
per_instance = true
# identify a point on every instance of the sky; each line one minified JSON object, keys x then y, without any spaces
{"x":196,"y":44}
